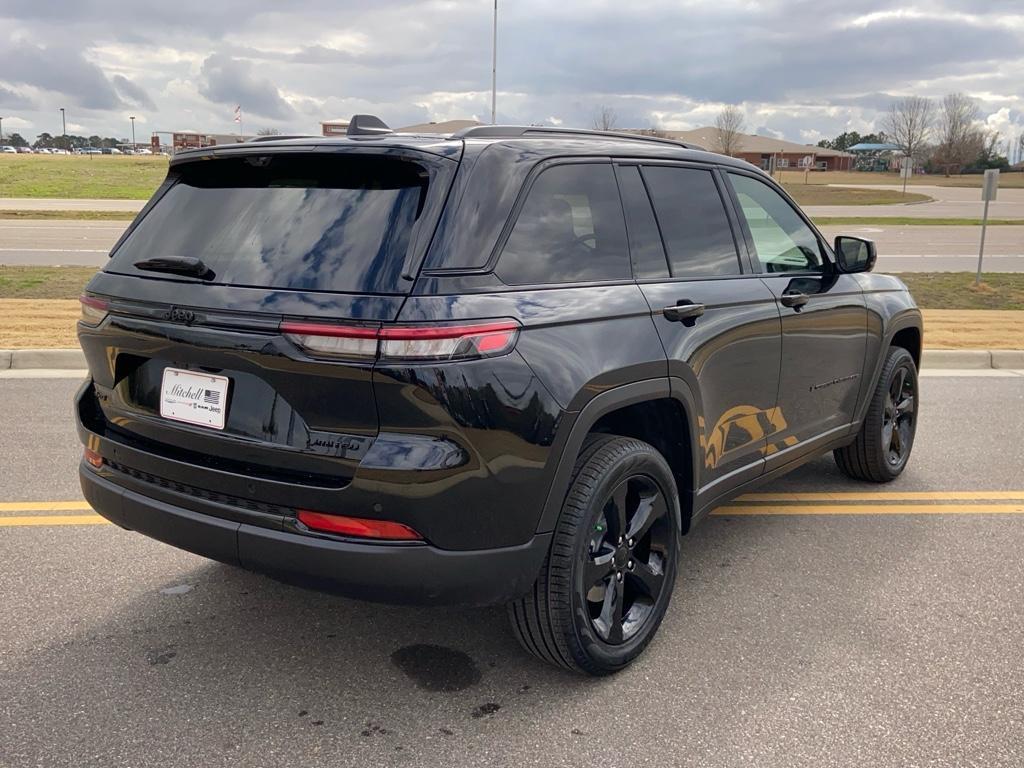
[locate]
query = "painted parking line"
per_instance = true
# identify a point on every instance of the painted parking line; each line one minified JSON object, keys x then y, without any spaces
{"x":18,"y":521}
{"x":951,"y":508}
{"x":758,"y":504}
{"x":885,"y":496}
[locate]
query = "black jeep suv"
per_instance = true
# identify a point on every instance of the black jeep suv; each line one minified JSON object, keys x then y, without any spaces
{"x":510,"y":365}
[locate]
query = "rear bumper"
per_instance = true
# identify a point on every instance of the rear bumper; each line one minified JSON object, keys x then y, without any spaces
{"x":392,"y":573}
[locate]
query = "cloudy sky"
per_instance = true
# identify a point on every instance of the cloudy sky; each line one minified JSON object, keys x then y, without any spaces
{"x":801,"y":70}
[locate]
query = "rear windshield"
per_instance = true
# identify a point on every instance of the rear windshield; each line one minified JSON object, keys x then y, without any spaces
{"x":303,"y":222}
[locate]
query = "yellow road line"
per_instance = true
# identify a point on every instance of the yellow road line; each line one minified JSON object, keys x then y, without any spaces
{"x":45,"y":506}
{"x":885,"y":496}
{"x":24,"y":520}
{"x":873,"y":509}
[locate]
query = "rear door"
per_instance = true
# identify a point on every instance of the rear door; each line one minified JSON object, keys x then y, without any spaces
{"x":719,"y":323}
{"x":824,"y":318}
{"x":292,"y":245}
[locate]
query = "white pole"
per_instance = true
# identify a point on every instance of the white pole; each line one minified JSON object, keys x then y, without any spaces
{"x":981,"y":248}
{"x":494,"y":68}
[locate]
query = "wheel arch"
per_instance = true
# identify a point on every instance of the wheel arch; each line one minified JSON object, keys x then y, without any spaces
{"x":660,"y":412}
{"x":903,"y":330}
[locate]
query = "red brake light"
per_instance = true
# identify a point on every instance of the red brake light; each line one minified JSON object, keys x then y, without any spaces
{"x":406,"y":342}
{"x":93,"y":309}
{"x":358,"y":527}
{"x":92,"y":458}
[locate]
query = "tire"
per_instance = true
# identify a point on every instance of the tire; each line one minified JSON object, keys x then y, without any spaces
{"x":890,"y":420}
{"x":572,"y":624}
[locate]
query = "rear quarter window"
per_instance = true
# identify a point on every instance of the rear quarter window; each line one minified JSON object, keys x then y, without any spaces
{"x":570,"y":229}
{"x":340,"y":223}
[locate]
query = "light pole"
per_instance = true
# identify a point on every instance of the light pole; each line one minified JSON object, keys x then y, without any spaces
{"x":64,"y":128}
{"x":1,"y":130}
{"x":494,"y":68}
{"x":132,"y":118}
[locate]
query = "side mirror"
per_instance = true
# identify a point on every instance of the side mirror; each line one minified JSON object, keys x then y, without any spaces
{"x":855,"y":254}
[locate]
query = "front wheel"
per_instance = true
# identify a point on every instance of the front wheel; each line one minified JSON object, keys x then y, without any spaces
{"x":882,"y":448}
{"x":608,"y":578}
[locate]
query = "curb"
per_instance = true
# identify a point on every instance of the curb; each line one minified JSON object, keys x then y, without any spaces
{"x":947,"y":359}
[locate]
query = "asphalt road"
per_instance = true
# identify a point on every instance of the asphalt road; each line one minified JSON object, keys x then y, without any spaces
{"x":901,"y":249}
{"x":947,"y":202}
{"x":868,"y":639}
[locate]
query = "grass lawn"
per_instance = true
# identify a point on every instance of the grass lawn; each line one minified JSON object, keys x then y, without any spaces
{"x":1006,"y":180}
{"x":114,"y":177}
{"x":907,"y":221}
{"x":77,"y":215}
{"x":817,"y":194}
{"x":40,"y":307}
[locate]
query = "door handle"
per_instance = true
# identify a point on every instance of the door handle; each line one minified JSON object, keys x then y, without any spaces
{"x":794,"y":299}
{"x":685,"y":312}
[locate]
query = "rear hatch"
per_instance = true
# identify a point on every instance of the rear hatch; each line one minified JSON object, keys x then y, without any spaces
{"x":185,"y":344}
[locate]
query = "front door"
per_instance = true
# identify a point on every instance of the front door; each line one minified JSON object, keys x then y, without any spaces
{"x":824,"y":319}
{"x":718,"y":322}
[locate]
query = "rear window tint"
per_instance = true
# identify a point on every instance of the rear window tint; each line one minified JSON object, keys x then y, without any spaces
{"x":328,"y":223}
{"x":569,"y":230}
{"x":693,"y":222}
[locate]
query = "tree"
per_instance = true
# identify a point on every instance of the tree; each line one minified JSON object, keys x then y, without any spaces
{"x":605,"y":119}
{"x":960,"y":139}
{"x":729,"y":130}
{"x":268,"y":132}
{"x":16,"y":140}
{"x":909,"y":124}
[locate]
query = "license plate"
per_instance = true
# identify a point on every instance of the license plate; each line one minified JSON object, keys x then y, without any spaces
{"x":195,"y":398}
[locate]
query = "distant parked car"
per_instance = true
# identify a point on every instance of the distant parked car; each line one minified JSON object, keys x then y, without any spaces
{"x":143,"y":151}
{"x":8,"y":150}
{"x":24,"y":151}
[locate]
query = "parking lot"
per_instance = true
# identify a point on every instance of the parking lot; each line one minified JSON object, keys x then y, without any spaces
{"x":810,"y":627}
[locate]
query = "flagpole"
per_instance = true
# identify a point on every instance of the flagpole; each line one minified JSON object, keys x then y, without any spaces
{"x":494,"y":68}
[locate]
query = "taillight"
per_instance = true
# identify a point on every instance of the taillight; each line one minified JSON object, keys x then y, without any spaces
{"x":358,"y":527}
{"x":92,"y":458}
{"x":406,"y":342}
{"x":93,"y":309}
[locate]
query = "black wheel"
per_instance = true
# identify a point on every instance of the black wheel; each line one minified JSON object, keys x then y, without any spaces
{"x":608,"y":578}
{"x":883,"y":445}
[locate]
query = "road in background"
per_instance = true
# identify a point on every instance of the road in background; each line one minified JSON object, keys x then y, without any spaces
{"x":901,"y":249}
{"x":792,"y":641}
{"x":949,"y":202}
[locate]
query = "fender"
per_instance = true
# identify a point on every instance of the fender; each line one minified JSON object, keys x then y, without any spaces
{"x":568,"y":443}
{"x":908,"y":318}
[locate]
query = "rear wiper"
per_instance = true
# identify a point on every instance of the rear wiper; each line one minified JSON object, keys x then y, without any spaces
{"x":179,"y":265}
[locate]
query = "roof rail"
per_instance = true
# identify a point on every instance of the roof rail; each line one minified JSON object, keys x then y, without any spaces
{"x":525,"y":131}
{"x":281,"y":137}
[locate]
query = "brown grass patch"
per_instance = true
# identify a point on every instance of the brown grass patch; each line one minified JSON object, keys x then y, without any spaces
{"x":38,"y":323}
{"x":973,"y":329}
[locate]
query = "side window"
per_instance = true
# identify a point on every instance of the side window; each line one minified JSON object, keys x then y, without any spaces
{"x":569,"y":230}
{"x":645,"y":246}
{"x":693,"y":221}
{"x":783,"y":240}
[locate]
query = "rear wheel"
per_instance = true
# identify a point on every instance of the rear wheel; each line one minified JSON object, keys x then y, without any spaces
{"x":608,"y":578}
{"x":883,"y":445}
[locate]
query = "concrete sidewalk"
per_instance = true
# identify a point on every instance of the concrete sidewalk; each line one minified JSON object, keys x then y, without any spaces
{"x":68,"y":204}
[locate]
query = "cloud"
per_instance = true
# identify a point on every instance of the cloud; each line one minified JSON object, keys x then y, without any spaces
{"x":63,"y":70}
{"x":10,"y":99}
{"x":230,"y":81}
{"x":798,"y":67}
{"x":132,"y":93}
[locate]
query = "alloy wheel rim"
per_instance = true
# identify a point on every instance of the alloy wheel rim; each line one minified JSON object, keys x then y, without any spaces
{"x":898,"y":417}
{"x":625,"y":560}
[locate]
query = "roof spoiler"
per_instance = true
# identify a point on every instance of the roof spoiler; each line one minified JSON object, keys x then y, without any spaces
{"x":367,"y":125}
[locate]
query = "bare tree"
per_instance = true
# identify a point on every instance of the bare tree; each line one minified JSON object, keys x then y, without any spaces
{"x":960,"y":139}
{"x":268,"y":132}
{"x":605,"y":118}
{"x":908,"y":124}
{"x":729,"y":130}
